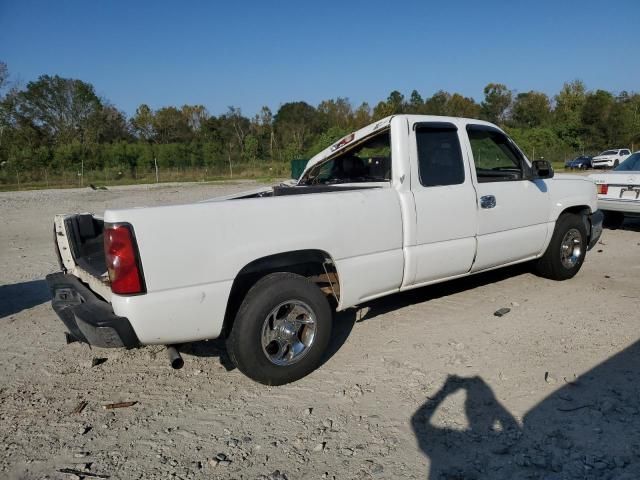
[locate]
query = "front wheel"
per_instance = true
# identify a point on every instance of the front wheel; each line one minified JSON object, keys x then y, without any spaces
{"x":566,"y":251}
{"x":616,"y":163}
{"x":281,"y":330}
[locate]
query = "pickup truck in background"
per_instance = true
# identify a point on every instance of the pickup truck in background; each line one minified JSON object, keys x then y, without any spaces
{"x":610,"y":158}
{"x":405,"y":202}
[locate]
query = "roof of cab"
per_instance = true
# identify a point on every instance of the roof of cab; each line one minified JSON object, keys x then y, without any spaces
{"x":382,"y":124}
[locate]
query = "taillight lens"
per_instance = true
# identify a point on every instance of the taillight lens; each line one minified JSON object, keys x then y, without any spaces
{"x":603,"y":188}
{"x":122,"y":260}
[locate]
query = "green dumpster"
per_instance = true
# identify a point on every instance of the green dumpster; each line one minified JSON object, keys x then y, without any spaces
{"x":297,"y":167}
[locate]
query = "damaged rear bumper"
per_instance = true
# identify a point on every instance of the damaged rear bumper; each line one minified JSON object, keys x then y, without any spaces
{"x":88,"y":318}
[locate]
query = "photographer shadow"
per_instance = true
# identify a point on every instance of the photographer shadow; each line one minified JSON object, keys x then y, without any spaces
{"x":465,"y":453}
{"x":587,"y":428}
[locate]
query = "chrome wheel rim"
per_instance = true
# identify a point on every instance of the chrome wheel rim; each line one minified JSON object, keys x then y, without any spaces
{"x":571,"y":248}
{"x":288,"y":332}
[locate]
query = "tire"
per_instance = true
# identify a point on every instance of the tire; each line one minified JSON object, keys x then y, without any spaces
{"x":266,"y":324}
{"x":613,"y":220}
{"x":558,"y":263}
{"x":615,"y":163}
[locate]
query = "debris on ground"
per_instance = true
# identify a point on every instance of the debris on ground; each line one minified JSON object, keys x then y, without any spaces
{"x":81,"y":474}
{"x":111,"y":406}
{"x":97,"y":361}
{"x":80,"y":407}
{"x":501,"y":312}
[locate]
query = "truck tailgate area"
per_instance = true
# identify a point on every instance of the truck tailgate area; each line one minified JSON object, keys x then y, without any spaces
{"x":80,"y":246}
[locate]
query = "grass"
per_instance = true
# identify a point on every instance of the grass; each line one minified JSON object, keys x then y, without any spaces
{"x":43,"y":180}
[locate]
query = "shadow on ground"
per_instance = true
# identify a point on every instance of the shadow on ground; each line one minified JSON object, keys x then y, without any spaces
{"x":20,"y":296}
{"x":588,"y":429}
{"x":390,"y":303}
{"x":632,"y":224}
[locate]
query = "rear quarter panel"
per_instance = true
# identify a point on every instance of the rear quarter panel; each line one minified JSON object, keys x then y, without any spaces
{"x":191,"y":254}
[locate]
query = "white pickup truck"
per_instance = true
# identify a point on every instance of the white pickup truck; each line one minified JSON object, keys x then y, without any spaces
{"x":610,"y":158}
{"x":405,"y":202}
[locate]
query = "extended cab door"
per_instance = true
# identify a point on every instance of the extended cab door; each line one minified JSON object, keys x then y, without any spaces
{"x":445,"y":204}
{"x":513,"y":212}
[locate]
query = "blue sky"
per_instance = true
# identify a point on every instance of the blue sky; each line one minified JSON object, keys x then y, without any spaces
{"x":249,"y":54}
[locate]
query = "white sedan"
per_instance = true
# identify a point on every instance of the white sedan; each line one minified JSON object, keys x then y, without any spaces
{"x":619,"y":190}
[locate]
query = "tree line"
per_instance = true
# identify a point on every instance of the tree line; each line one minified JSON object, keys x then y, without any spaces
{"x":54,"y":124}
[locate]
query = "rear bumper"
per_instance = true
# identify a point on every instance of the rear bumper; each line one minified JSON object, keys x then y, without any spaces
{"x":88,"y":318}
{"x":619,"y":205}
{"x":597,"y":218}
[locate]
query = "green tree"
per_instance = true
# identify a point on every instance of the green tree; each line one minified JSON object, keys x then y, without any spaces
{"x":437,"y":103}
{"x":497,"y":100}
{"x":296,"y":124}
{"x":595,"y":118}
{"x":416,"y":103}
{"x":531,"y":109}
{"x":171,"y":126}
{"x":59,"y":106}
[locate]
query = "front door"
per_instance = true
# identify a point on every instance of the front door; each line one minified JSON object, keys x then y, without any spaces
{"x":513,"y":212}
{"x":445,"y":201}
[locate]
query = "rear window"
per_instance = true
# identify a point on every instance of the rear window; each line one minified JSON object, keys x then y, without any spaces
{"x":367,"y":161}
{"x":439,"y":155}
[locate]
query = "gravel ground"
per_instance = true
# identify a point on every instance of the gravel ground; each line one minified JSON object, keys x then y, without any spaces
{"x":426,"y":384}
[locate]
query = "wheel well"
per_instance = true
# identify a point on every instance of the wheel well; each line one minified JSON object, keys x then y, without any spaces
{"x":316,"y":265}
{"x":580,"y":210}
{"x":577,"y":209}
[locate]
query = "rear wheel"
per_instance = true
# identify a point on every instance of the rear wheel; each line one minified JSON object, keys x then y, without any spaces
{"x":566,"y":251}
{"x":282,"y":329}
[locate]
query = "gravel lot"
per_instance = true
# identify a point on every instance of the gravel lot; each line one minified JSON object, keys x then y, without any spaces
{"x":423,"y":384}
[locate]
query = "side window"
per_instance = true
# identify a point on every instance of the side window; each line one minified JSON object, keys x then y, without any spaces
{"x":496,"y":158}
{"x":439,"y":155}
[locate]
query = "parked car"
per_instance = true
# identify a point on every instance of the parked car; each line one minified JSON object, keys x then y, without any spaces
{"x":610,"y":158}
{"x":583,"y":162}
{"x":619,"y":191}
{"x":265,"y":269}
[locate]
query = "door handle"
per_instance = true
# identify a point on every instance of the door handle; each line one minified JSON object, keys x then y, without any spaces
{"x":487,"y":201}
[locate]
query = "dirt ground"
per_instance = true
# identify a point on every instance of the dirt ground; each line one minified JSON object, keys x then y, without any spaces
{"x":426,"y":384}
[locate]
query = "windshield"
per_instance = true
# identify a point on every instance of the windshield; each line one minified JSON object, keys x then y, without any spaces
{"x":609,"y":152}
{"x":631,"y":164}
{"x":367,"y":161}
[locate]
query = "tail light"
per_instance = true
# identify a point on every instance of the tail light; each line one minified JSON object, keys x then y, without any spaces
{"x":602,"y":188}
{"x":123,"y":262}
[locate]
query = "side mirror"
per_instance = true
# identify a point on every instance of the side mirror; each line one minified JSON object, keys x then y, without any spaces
{"x":541,"y":169}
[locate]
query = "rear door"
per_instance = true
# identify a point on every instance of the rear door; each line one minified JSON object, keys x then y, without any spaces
{"x":513,"y":212}
{"x":445,"y":203}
